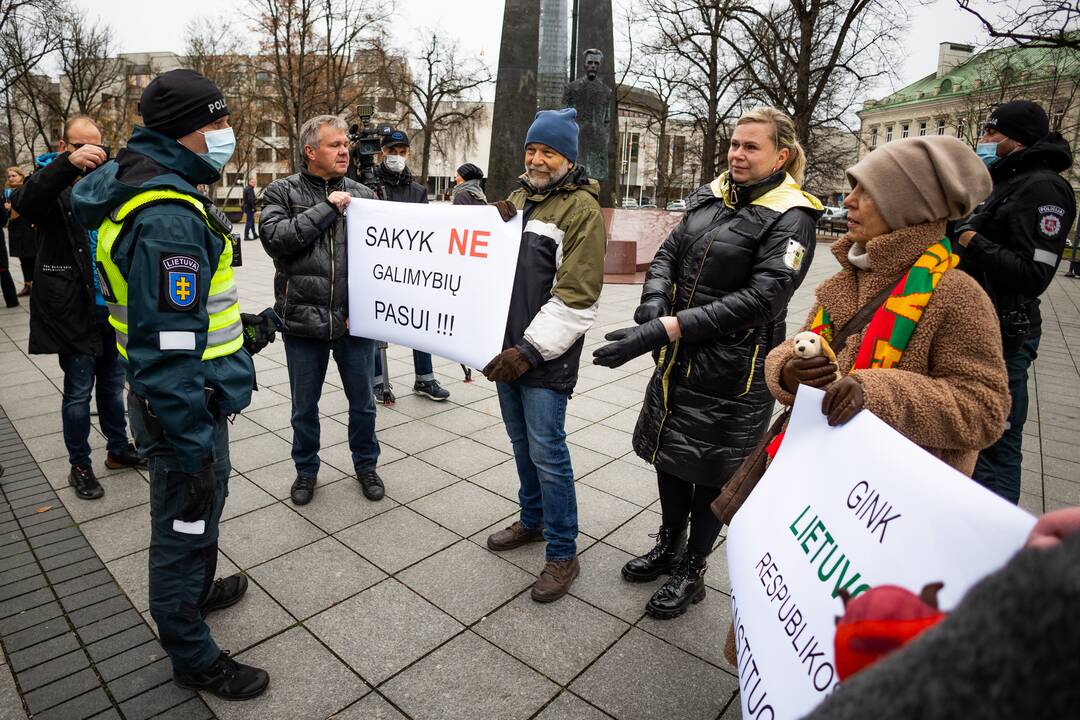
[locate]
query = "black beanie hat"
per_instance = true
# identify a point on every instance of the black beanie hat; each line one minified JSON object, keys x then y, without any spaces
{"x":180,"y":102}
{"x":1022,"y":120}
{"x":468,"y":171}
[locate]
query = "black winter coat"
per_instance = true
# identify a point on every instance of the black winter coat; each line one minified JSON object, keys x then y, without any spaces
{"x":62,"y":304}
{"x":305,"y":235}
{"x":1021,"y":229}
{"x":22,"y":237}
{"x":399,"y":187}
{"x":727,"y":272}
{"x":249,"y":200}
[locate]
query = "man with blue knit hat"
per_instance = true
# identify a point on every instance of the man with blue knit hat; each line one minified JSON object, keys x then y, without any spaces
{"x":163,"y":262}
{"x":560,"y":272}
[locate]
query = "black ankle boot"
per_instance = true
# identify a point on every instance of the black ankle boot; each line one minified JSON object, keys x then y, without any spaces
{"x":661,"y":560}
{"x":685,"y":587}
{"x":226,"y":678}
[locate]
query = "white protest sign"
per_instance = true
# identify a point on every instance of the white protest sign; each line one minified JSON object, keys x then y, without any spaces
{"x":850,"y":508}
{"x":436,"y":278}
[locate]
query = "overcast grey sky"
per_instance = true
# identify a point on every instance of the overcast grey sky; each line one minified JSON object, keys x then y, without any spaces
{"x":145,"y":26}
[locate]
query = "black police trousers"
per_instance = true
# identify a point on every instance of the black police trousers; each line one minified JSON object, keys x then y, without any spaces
{"x":182,"y":565}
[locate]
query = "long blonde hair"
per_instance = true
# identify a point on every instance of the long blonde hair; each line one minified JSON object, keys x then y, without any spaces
{"x":783,"y":137}
{"x":18,"y":170}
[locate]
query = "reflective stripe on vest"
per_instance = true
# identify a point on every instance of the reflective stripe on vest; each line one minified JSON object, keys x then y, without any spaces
{"x":225,"y":332}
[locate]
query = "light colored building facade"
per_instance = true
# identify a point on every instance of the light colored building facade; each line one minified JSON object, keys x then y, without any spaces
{"x":959,"y":96}
{"x":639,"y":172}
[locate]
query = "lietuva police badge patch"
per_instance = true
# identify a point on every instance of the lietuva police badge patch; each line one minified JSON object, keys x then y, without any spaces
{"x":1050,"y":220}
{"x":179,"y":283}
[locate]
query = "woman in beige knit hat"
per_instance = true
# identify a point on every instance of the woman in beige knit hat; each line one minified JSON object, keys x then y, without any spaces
{"x":929,"y":362}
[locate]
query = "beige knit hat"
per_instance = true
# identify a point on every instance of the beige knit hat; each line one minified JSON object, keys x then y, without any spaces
{"x":922,"y":179}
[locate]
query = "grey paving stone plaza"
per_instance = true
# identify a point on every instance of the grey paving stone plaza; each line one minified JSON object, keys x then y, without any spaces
{"x":396,"y":609}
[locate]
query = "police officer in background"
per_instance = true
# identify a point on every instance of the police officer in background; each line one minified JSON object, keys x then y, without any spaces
{"x":1012,"y":245}
{"x":163,"y":258}
{"x":398,"y":186}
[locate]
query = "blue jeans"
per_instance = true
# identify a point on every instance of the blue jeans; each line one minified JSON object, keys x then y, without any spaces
{"x":421,"y":364}
{"x":81,"y":373}
{"x":999,"y":466}
{"x":249,"y":225}
{"x":535,"y":420}
{"x":307,"y":360}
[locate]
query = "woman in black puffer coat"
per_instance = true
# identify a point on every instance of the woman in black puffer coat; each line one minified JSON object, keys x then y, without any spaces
{"x":714,"y":303}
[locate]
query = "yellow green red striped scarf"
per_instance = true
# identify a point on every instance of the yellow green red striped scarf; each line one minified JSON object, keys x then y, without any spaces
{"x":893,"y":324}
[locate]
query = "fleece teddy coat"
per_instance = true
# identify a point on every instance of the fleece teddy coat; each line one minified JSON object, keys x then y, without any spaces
{"x":949,"y":393}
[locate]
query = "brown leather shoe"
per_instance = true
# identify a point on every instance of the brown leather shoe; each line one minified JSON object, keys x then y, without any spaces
{"x":555,"y":580}
{"x":514,"y":537}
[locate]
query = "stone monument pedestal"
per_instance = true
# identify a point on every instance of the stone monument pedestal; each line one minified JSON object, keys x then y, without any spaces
{"x":633,"y":239}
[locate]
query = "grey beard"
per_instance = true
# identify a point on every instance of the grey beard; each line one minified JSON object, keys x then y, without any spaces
{"x":556,"y":178}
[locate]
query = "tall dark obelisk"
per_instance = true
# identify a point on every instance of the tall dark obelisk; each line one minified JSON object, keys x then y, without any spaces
{"x":594,"y":27}
{"x":515,"y":95}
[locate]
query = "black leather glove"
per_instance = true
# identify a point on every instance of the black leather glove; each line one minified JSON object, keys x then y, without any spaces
{"x":651,"y":309}
{"x":975,"y":222}
{"x":259,"y":330}
{"x":628,"y":343}
{"x":506,"y":209}
{"x":198,"y":493}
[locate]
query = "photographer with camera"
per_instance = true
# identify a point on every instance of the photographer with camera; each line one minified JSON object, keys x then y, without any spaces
{"x":1012,"y":245}
{"x":397,"y":185}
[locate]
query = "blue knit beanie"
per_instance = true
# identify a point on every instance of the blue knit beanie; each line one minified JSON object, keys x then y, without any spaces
{"x":558,"y":129}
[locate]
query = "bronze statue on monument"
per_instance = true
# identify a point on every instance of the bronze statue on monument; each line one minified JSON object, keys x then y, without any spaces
{"x":592,"y":100}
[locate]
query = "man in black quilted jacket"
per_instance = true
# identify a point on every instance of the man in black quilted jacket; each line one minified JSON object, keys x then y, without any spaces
{"x":303,"y":228}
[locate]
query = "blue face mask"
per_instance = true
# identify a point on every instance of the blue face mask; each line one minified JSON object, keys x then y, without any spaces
{"x":220,"y":145}
{"x":987,"y":152}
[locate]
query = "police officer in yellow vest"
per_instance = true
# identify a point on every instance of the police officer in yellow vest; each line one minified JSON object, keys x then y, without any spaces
{"x":163,"y":260}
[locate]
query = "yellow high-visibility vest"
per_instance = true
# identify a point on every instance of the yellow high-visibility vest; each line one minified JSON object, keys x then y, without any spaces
{"x":224,"y":335}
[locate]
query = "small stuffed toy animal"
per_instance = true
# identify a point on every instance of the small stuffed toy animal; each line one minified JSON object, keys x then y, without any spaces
{"x":810,"y":345}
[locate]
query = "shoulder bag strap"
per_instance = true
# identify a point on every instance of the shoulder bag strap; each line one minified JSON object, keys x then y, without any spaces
{"x":860,"y":319}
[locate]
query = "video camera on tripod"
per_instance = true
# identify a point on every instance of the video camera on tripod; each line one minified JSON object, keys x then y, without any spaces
{"x":365,"y":143}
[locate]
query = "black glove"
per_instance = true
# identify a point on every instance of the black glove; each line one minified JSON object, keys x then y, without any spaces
{"x":259,"y":330}
{"x":651,"y":309}
{"x":198,"y":494}
{"x":506,"y":209}
{"x":630,"y":343}
{"x":975,"y":221}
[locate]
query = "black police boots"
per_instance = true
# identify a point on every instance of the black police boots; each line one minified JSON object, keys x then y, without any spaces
{"x":685,"y":587}
{"x":661,"y":560}
{"x":227,"y":679}
{"x":225,"y":592}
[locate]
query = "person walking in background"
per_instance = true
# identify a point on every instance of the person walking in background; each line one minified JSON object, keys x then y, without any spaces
{"x":248,"y":206}
{"x":7,"y":284}
{"x":398,"y":186}
{"x":469,"y":187}
{"x":68,"y":315}
{"x":560,"y":273}
{"x":714,"y":303}
{"x":302,"y":227}
{"x":1012,"y":245}
{"x":22,"y":238}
